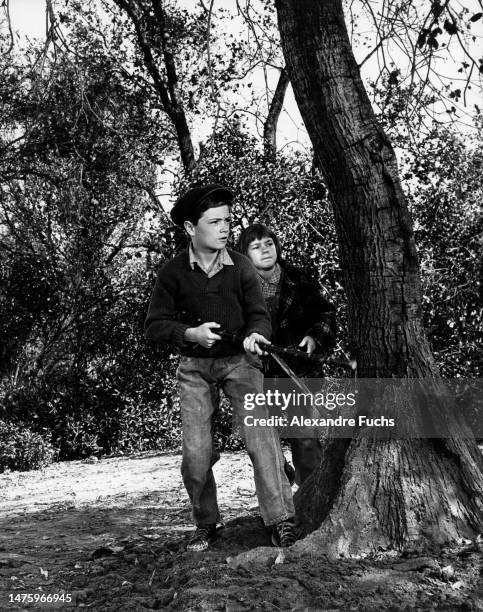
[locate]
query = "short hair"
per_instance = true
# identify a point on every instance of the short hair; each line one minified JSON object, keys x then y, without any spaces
{"x":257,"y":231}
{"x":203,"y":206}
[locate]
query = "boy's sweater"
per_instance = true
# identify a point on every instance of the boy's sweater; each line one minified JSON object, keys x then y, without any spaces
{"x":183,"y":298}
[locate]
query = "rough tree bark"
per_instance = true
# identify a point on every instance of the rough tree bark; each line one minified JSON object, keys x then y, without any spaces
{"x":270,"y":126}
{"x":370,"y":494}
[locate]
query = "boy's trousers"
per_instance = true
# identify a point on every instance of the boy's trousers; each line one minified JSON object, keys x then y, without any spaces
{"x":199,"y":379}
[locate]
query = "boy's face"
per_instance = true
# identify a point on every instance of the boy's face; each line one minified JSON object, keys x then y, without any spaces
{"x":212,"y":230}
{"x":263,"y":253}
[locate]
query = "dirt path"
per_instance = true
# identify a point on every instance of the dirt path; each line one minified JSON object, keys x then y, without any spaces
{"x":112,"y":534}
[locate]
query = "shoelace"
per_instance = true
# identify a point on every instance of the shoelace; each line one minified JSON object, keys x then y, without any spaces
{"x":200,"y":539}
{"x":201,"y":533}
{"x":286,"y":532}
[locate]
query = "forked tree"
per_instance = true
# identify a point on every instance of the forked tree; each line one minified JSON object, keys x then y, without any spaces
{"x":370,"y":494}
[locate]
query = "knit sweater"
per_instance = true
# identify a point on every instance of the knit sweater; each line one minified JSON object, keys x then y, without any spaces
{"x":184,"y":297}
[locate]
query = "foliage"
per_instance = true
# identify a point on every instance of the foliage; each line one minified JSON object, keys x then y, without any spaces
{"x":22,"y":449}
{"x":430,"y":49}
{"x":82,"y":232}
{"x":441,"y":172}
{"x":284,"y":192}
{"x":77,"y":185}
{"x":445,"y":195}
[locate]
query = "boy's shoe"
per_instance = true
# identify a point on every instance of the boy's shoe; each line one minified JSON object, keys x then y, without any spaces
{"x":202,"y":537}
{"x":289,"y":470}
{"x":283,"y":534}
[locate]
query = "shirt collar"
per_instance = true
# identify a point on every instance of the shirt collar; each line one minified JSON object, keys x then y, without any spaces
{"x":275,"y":276}
{"x":222,"y":259}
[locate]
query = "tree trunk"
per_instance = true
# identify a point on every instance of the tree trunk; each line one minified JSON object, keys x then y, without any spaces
{"x":270,"y":126}
{"x":370,"y":494}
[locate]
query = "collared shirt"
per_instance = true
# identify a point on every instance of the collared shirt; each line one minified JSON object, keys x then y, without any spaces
{"x":271,"y":289}
{"x":222,"y":259}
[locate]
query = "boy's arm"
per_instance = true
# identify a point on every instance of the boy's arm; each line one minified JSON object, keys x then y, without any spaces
{"x":255,"y":312}
{"x":161,"y":324}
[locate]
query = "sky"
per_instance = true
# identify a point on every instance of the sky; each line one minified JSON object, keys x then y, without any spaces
{"x":28,"y":17}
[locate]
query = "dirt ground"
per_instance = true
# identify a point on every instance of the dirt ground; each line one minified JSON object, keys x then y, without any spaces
{"x":112,"y":534}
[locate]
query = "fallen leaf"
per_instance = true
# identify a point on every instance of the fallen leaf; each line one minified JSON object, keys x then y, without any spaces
{"x":280,"y":558}
{"x":447,"y":571}
{"x":458,"y":585}
{"x":464,"y":541}
{"x":117,"y":549}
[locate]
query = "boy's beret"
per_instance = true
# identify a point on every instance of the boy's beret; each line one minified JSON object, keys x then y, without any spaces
{"x":186,"y":204}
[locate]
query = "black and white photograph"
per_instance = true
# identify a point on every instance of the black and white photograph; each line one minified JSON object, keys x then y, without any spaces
{"x":241,"y":314}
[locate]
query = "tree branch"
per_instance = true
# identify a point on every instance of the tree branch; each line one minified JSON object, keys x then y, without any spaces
{"x":6,"y":9}
{"x":168,"y":92}
{"x":270,"y":126}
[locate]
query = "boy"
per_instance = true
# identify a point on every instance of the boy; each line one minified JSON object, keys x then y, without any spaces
{"x":300,"y":316}
{"x":205,"y":288}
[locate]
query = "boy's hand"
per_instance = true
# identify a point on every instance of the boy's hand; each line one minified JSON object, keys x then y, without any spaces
{"x":251,"y":344}
{"x":309,"y":342}
{"x":203,"y":335}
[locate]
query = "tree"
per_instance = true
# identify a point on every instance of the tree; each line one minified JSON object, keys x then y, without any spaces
{"x":168,"y":39}
{"x":370,"y":494}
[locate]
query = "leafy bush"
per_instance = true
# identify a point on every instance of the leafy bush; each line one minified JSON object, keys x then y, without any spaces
{"x":23,"y":449}
{"x":74,"y":271}
{"x":445,"y":195}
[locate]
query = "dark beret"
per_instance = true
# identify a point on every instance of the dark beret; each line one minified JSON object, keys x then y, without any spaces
{"x":189,"y":201}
